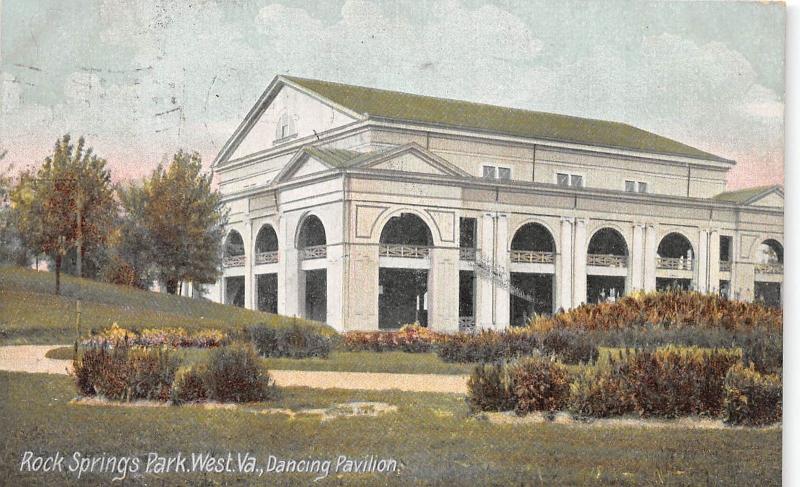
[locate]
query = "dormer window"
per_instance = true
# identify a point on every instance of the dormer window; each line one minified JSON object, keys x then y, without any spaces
{"x":285,"y":128}
{"x":570,"y":180}
{"x":495,"y":172}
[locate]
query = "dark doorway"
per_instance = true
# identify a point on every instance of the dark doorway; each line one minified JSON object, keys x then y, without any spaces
{"x":234,"y":291}
{"x":667,"y":284}
{"x":768,"y":293}
{"x":402,"y":297}
{"x":604,"y":288}
{"x":267,"y":287}
{"x":466,"y":294}
{"x":316,"y":295}
{"x":537,"y":299}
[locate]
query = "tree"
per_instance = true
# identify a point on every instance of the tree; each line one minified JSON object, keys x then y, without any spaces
{"x":131,"y":262}
{"x":185,"y":222}
{"x":68,"y":203}
{"x":12,"y":247}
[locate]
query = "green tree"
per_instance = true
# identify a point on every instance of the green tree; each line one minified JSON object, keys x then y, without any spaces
{"x":132,"y":254}
{"x":68,"y":203}
{"x":12,"y":247}
{"x":184,"y":219}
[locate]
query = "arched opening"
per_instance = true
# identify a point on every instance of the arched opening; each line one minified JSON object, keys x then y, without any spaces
{"x":532,"y":258}
{"x":405,"y":244}
{"x":267,"y":282}
{"x":607,"y":264}
{"x":233,"y":256}
{"x":769,"y":271}
{"x":311,"y":243}
{"x":676,"y":259}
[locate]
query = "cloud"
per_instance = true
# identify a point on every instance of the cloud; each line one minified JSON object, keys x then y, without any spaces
{"x":185,"y":74}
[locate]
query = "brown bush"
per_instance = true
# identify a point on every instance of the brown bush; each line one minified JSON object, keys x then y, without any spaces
{"x":752,"y":398}
{"x":538,"y":384}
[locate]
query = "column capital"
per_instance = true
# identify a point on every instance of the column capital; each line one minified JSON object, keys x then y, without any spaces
{"x":568,"y":219}
{"x":581,"y":221}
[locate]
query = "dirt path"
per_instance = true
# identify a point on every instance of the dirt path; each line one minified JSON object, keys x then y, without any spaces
{"x":31,"y":358}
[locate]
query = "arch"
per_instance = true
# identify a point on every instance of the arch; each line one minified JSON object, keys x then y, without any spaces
{"x":607,"y":241}
{"x":406,"y":228}
{"x":384,"y":218}
{"x":266,"y":239}
{"x":769,"y":251}
{"x":675,"y":245}
{"x":534,"y":236}
{"x":310,"y":232}
{"x":234,"y":244}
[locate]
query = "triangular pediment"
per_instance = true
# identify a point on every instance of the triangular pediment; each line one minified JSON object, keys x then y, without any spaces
{"x":284,"y":113}
{"x":772,"y":198}
{"x":412,"y":158}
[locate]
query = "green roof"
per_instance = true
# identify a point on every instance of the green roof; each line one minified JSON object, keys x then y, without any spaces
{"x":511,"y":121}
{"x":338,"y":158}
{"x":744,"y":195}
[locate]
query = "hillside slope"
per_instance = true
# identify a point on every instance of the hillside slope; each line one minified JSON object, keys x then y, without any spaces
{"x":31,"y":313}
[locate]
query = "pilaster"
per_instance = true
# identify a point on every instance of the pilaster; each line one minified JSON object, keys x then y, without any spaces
{"x":650,"y":248}
{"x":565,"y":257}
{"x":443,"y":289}
{"x":702,"y":261}
{"x":484,"y":295}
{"x":502,"y":266}
{"x":637,"y":258}
{"x":579,"y":264}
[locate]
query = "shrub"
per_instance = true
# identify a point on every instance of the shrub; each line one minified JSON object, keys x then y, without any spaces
{"x":538,"y":384}
{"x":235,"y":374}
{"x":653,"y":336}
{"x":157,"y":337}
{"x":410,"y":338}
{"x":294,"y":341}
{"x":487,"y":346}
{"x":569,"y":346}
{"x":673,"y":382}
{"x":190,"y":385}
{"x":752,"y":398}
{"x":670,"y":309}
{"x":763,"y":350}
{"x":599,"y":392}
{"x":122,"y":374}
{"x":489,"y":389}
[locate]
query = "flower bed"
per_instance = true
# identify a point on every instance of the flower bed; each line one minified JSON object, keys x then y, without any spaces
{"x":157,"y":337}
{"x":410,"y":338}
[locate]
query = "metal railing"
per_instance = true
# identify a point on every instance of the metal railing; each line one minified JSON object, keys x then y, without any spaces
{"x":607,"y":260}
{"x":725,"y":265}
{"x":466,"y":324}
{"x":233,"y":261}
{"x":675,"y":263}
{"x":314,"y":252}
{"x":467,"y":253}
{"x":270,"y":257}
{"x":404,"y":251}
{"x":771,"y":268}
{"x":532,"y":257}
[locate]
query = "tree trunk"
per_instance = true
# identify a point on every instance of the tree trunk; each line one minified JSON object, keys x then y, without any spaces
{"x":172,"y":286}
{"x":58,"y":274}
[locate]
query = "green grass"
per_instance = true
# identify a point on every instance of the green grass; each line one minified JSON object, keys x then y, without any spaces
{"x":391,"y":362}
{"x":32,"y":313}
{"x":432,"y":436}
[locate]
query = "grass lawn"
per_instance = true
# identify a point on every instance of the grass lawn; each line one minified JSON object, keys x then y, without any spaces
{"x":31,"y":313}
{"x":431,"y":436}
{"x":392,"y":362}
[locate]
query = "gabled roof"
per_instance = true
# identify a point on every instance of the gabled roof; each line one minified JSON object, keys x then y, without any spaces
{"x":396,"y":105}
{"x":748,"y":195}
{"x":337,"y":158}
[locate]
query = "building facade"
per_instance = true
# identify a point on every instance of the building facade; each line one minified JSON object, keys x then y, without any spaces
{"x":369,"y":209}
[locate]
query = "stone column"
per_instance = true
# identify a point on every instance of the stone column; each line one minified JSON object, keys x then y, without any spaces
{"x":484,"y":295}
{"x":565,"y":286}
{"x":336,"y":262}
{"x":650,"y":248}
{"x":702,"y":262}
{"x":249,"y":258}
{"x":713,"y":261}
{"x":503,"y":266}
{"x":443,"y":289}
{"x":289,"y":273}
{"x":579,"y":264}
{"x":361,"y":299}
{"x":636,"y":263}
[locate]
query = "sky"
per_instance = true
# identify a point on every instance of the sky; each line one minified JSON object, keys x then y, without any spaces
{"x":141,"y":79}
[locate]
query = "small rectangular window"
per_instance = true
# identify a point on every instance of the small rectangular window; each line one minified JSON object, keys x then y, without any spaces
{"x":489,"y":172}
{"x":642,"y":187}
{"x":562,"y":179}
{"x":504,"y":173}
{"x":576,"y":181}
{"x":630,"y":186}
